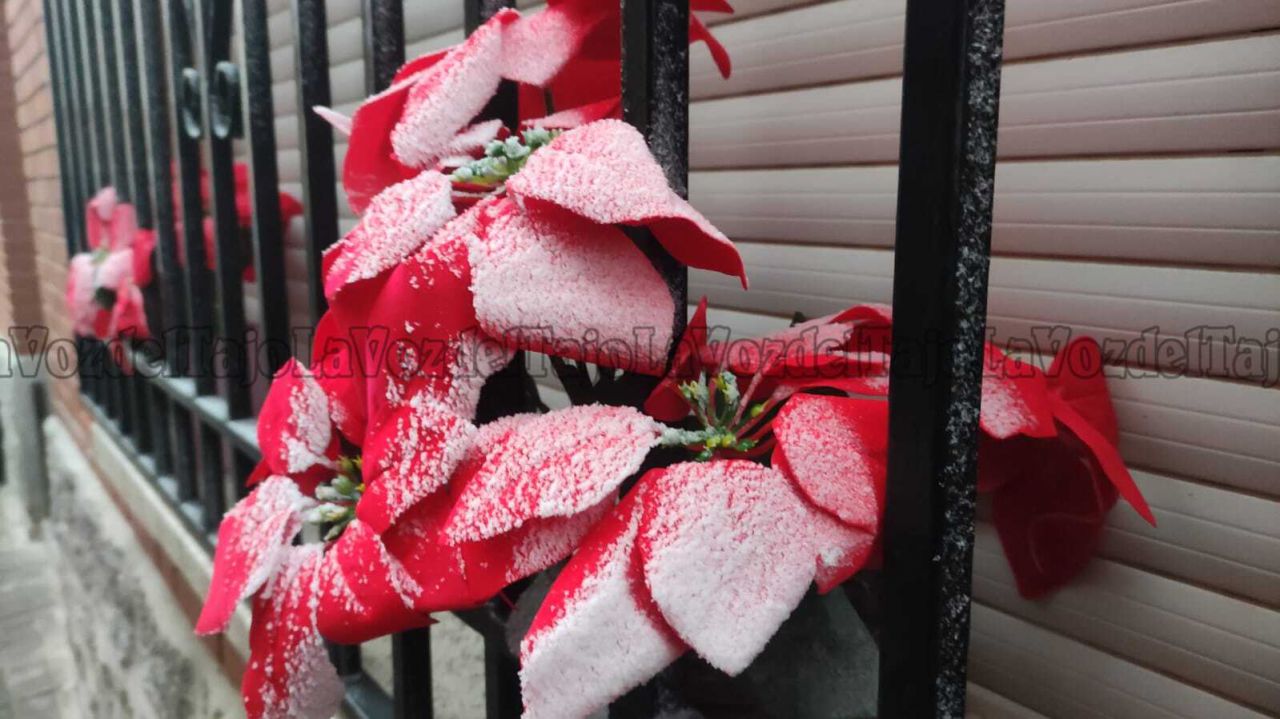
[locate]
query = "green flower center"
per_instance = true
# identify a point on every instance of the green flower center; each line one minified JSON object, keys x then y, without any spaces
{"x":503,"y":158}
{"x":338,"y":498}
{"x":719,"y":407}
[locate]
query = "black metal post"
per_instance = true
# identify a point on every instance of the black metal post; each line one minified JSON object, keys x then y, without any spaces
{"x":220,"y":99}
{"x":186,"y":117}
{"x":951,"y":86}
{"x":268,"y":230}
{"x":315,"y":141}
{"x":170,"y":287}
{"x":411,"y":669}
{"x":66,"y":173}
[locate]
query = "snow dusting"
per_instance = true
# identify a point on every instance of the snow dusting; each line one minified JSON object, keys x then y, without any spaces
{"x":398,"y":220}
{"x":835,"y":450}
{"x":252,"y":538}
{"x":567,"y":286}
{"x":604,"y":172}
{"x":289,"y":675}
{"x":552,"y":465}
{"x":412,"y":454}
{"x":449,"y":94}
{"x":728,"y":554}
{"x":593,"y":640}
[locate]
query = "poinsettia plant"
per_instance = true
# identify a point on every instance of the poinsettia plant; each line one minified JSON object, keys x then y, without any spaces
{"x":103,"y":297}
{"x":754,"y":473}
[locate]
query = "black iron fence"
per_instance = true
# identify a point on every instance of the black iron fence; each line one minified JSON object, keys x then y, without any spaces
{"x":147,"y":93}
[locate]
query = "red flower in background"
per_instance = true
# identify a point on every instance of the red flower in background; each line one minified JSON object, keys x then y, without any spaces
{"x":1051,"y":494}
{"x":102,"y":297}
{"x":290,"y":209}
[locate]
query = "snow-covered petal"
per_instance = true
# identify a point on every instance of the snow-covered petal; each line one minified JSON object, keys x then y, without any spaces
{"x":835,"y":449}
{"x":604,"y":172}
{"x":550,"y":465}
{"x":115,"y":271}
{"x":728,"y":554}
{"x":128,"y":315}
{"x":474,"y":138}
{"x":370,"y":165}
{"x":536,"y":47}
{"x":446,"y":97}
{"x":289,"y":675}
{"x":101,"y":207}
{"x":340,"y":123}
{"x":365,"y":593}
{"x":295,"y":431}
{"x":1015,"y":398}
{"x":252,"y":538}
{"x":339,"y":363}
{"x":80,"y":305}
{"x":398,"y":221}
{"x":562,"y":285}
{"x":124,"y":226}
{"x":597,"y":634}
{"x":409,"y":455}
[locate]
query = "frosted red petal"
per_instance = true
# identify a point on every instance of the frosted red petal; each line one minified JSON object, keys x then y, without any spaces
{"x":410,"y":455}
{"x":364,"y":591}
{"x":558,"y":284}
{"x":252,"y":538}
{"x":537,"y":46}
{"x":595,"y":636}
{"x":728,"y":553}
{"x":604,"y":172}
{"x":397,"y":222}
{"x":551,"y":465}
{"x":835,"y":450}
{"x":446,"y":96}
{"x":1015,"y":398}
{"x":289,"y":675}
{"x":294,"y":427}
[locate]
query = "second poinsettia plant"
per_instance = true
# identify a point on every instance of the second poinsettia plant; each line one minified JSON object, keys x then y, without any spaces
{"x":476,"y":242}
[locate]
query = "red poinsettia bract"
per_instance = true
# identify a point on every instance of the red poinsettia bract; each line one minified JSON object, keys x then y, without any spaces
{"x":103,"y":298}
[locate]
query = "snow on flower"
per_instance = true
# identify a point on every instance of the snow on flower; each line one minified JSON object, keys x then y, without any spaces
{"x":1051,"y":493}
{"x":103,"y":297}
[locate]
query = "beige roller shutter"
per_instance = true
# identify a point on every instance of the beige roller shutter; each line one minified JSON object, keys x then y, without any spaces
{"x":1139,"y":187}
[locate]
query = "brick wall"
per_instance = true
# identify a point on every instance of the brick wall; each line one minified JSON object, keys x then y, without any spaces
{"x":33,"y":255}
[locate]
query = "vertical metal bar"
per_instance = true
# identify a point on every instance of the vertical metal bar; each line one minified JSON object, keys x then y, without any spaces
{"x":135,"y":120}
{"x":57,"y":61}
{"x":184,"y":458}
{"x":212,"y":492}
{"x":80,"y":108}
{"x":501,"y":680}
{"x":951,"y":87}
{"x":185,"y":101}
{"x":383,"y":42}
{"x":161,"y":420}
{"x":655,"y":99}
{"x":169,"y":276}
{"x":110,"y":88}
{"x":94,"y":104}
{"x":76,"y":150}
{"x":221,"y":100}
{"x":268,"y":231}
{"x":315,"y":141}
{"x":411,"y":674}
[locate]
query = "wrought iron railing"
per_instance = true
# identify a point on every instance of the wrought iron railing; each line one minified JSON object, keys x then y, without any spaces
{"x":140,"y":85}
